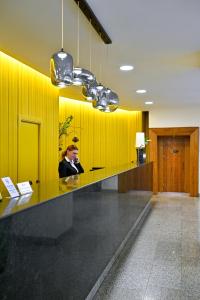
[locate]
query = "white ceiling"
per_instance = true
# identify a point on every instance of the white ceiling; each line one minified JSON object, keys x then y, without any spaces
{"x":160,"y":38}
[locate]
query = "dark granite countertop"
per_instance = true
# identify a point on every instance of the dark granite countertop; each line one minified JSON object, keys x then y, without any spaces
{"x":60,"y":243}
{"x":50,"y":190}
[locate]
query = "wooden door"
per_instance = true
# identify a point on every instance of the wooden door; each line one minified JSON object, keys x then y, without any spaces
{"x":28,"y":152}
{"x":173,"y":164}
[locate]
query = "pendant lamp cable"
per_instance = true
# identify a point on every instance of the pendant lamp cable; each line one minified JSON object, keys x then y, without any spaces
{"x":100,"y":71}
{"x":106,"y":60}
{"x":78,"y":21}
{"x":100,"y":65}
{"x":107,"y":54}
{"x":62,"y":26}
{"x":90,"y":43}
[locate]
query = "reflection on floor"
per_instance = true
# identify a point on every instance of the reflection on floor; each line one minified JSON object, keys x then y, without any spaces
{"x":163,"y":261}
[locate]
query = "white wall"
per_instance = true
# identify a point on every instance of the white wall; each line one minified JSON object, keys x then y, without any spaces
{"x":180,"y":117}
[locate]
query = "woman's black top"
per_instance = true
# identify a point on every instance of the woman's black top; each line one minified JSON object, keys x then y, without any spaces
{"x":66,"y":169}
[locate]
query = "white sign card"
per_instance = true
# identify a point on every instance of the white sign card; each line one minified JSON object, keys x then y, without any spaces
{"x":10,"y":187}
{"x":24,"y":187}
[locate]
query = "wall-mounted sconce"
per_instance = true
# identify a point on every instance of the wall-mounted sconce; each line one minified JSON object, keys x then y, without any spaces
{"x":140,"y":145}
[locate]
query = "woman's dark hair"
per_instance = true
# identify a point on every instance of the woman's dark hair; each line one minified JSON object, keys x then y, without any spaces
{"x":69,"y":148}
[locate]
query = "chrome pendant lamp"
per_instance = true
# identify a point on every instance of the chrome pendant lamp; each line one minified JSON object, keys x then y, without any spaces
{"x":61,"y":65}
{"x":81,"y":76}
{"x":61,"y":69}
{"x":100,"y":101}
{"x":89,"y":91}
{"x":100,"y":104}
{"x":107,"y":102}
{"x":92,"y":90}
{"x":112,"y":101}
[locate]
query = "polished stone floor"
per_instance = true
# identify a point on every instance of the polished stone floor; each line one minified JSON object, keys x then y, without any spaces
{"x":163,"y":260}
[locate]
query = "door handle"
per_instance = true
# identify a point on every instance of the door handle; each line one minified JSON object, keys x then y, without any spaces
{"x":37,"y":181}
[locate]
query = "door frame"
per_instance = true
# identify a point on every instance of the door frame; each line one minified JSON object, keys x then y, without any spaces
{"x":193,"y":133}
{"x":27,"y":119}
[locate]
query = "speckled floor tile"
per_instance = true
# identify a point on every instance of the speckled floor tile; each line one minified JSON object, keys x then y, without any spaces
{"x":139,"y":252}
{"x":191,"y":248}
{"x":164,"y":261}
{"x":168,"y":251}
{"x":191,"y":275}
{"x":160,"y":293}
{"x":192,"y":235}
{"x":122,"y":294}
{"x":189,"y":295}
{"x":166,"y":275}
{"x":190,"y":226}
{"x":135,"y":275}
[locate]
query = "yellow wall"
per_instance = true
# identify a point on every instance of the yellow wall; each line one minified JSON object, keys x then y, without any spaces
{"x":106,"y":139}
{"x":27,"y":94}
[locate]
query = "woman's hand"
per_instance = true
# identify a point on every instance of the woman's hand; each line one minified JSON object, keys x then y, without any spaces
{"x":76,"y":160}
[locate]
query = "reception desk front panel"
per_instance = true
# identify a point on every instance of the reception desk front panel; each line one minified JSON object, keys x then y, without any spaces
{"x":59,"y":249}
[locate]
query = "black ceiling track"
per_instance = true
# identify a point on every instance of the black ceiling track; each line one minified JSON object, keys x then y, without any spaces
{"x":87,"y":11}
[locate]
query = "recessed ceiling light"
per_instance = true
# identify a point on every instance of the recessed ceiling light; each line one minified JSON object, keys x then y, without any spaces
{"x":141,"y":91}
{"x":126,"y":68}
{"x":149,"y":102}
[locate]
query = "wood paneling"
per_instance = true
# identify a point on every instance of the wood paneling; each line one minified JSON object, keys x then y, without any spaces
{"x":194,"y":163}
{"x":173,"y":164}
{"x":174,"y":131}
{"x":139,"y":178}
{"x":153,"y":151}
{"x":193,"y":134}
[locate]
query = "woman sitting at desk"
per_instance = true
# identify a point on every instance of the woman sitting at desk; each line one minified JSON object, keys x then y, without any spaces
{"x":70,"y":164}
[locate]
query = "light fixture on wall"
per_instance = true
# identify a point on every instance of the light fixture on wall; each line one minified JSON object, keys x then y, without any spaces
{"x":61,"y":65}
{"x":140,"y":145}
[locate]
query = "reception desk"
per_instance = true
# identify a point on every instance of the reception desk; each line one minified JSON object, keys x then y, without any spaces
{"x":59,"y":242}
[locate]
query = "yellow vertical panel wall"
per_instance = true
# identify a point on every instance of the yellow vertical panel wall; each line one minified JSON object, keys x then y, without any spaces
{"x":25,"y":93}
{"x":104,"y":139}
